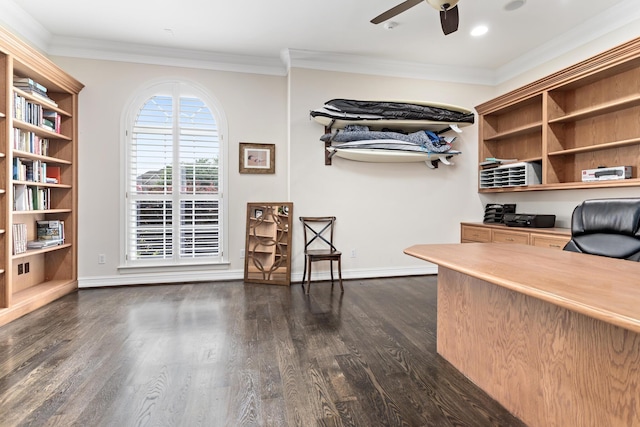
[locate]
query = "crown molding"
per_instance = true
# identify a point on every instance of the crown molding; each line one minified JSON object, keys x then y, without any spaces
{"x":328,"y":61}
{"x":144,"y":54}
{"x":611,"y":20}
{"x":19,"y":22}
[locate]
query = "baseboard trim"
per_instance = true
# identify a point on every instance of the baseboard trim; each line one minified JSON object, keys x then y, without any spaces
{"x":216,"y":276}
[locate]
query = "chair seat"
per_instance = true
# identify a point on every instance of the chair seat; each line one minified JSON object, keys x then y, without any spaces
{"x":318,"y":246}
{"x":317,"y":253}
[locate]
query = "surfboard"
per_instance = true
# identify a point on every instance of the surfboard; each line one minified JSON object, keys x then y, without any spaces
{"x":333,"y":118}
{"x":392,"y":156}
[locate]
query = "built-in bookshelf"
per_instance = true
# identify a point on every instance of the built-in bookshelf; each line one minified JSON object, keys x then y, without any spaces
{"x":38,"y":179}
{"x":581,"y":118}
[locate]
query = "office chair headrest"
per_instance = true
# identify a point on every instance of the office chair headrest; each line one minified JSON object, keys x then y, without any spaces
{"x":616,"y":216}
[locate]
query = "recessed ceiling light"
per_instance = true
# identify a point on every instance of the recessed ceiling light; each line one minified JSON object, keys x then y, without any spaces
{"x":480,"y":30}
{"x":514,"y":4}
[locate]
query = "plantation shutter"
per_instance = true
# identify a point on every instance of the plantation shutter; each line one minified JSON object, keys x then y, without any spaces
{"x":173,"y":191}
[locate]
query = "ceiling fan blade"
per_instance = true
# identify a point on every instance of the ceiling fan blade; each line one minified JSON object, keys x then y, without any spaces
{"x":449,"y":20}
{"x":405,"y":5}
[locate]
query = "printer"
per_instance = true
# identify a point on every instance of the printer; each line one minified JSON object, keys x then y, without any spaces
{"x":529,"y":220}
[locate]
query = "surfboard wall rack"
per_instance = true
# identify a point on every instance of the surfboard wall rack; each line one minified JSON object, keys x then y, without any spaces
{"x":327,"y":154}
{"x":435,"y":117}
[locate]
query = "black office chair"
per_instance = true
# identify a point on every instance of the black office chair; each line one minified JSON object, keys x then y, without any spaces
{"x":606,"y":227}
{"x":318,"y":246}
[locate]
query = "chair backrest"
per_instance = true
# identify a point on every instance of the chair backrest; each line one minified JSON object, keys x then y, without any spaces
{"x":607,"y":227}
{"x":318,"y":231}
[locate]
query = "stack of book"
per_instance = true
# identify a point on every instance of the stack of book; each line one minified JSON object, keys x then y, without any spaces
{"x":49,"y":233}
{"x":33,"y":88}
{"x":51,"y":121}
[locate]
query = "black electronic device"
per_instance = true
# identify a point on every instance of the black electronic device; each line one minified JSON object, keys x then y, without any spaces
{"x":494,"y":213}
{"x":529,"y":220}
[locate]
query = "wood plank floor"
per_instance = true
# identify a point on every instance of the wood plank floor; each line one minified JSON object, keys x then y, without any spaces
{"x":235,"y":354}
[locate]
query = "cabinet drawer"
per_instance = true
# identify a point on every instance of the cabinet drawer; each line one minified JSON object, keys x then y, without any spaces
{"x":552,"y":242}
{"x":475,"y":234}
{"x":500,"y":236}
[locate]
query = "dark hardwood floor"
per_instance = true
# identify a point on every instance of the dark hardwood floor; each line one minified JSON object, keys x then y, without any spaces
{"x":230,"y":354}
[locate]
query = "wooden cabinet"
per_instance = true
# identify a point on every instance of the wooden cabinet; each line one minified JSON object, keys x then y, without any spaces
{"x":268,"y":243}
{"x":554,"y":238}
{"x":582,"y":117}
{"x":36,"y":132}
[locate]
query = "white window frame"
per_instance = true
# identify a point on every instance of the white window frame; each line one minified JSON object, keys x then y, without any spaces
{"x":136,"y":102}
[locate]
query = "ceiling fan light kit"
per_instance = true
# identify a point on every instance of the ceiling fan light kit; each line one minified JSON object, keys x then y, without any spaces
{"x":442,"y":4}
{"x":448,"y":9}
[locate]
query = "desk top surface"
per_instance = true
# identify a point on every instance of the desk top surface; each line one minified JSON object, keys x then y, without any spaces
{"x":603,"y":288}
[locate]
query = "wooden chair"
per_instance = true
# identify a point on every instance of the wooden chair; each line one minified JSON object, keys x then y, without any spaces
{"x":318,"y":246}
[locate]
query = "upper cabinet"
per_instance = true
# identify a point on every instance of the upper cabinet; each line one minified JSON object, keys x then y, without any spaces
{"x":583,"y":117}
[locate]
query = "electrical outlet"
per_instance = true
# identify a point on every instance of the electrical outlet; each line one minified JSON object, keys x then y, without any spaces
{"x":241,"y":253}
{"x":102,"y":258}
{"x":26,"y":267}
{"x":20,"y":268}
{"x":353,"y":253}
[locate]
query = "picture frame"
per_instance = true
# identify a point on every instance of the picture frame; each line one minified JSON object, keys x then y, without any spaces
{"x":258,"y":213}
{"x":257,"y":158}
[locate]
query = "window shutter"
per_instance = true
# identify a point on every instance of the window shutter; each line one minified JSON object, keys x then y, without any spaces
{"x":173,"y":173}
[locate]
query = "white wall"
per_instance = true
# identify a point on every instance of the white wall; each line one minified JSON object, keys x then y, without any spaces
{"x":381,"y":208}
{"x":255,"y":109}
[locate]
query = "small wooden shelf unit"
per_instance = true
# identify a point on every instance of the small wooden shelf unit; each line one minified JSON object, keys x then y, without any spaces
{"x":268,"y":243}
{"x":31,"y":279}
{"x":582,"y":117}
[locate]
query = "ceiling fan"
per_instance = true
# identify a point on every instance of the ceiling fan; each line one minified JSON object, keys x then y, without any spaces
{"x":448,"y":13}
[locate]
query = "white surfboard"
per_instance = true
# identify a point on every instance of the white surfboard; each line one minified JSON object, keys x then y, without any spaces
{"x":393,"y":156}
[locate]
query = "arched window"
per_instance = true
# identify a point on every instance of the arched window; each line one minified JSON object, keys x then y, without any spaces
{"x":174,"y":209}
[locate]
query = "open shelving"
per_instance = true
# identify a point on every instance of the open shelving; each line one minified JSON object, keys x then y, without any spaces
{"x":582,"y":117}
{"x":268,"y":243}
{"x":32,"y":278}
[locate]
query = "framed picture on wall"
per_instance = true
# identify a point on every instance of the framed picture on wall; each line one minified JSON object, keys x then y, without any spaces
{"x":257,"y":158}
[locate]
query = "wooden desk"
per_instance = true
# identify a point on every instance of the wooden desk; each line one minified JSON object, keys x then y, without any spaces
{"x":553,"y":336}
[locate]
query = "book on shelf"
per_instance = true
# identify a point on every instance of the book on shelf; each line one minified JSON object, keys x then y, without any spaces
{"x":53,"y":175}
{"x":34,"y":89}
{"x":20,"y":202}
{"x":19,"y":234}
{"x":51,"y":120}
{"x":28,"y":82}
{"x":29,"y":170}
{"x":40,"y":244}
{"x":51,"y":231}
{"x":27,"y":111}
{"x":29,"y":198}
{"x":29,"y":142}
